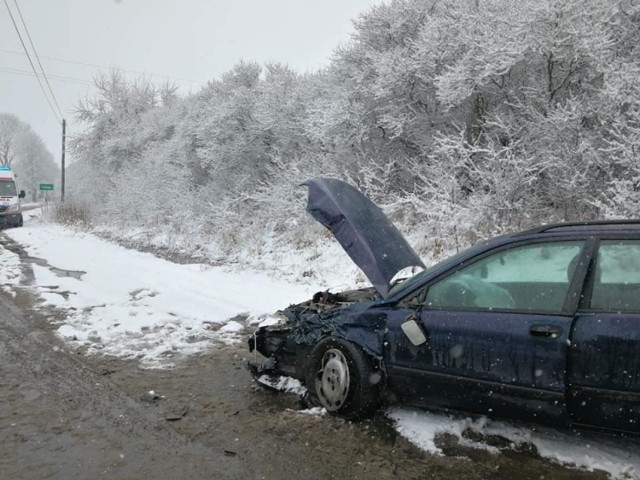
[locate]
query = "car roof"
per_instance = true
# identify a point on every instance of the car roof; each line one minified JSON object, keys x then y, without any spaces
{"x":596,"y":226}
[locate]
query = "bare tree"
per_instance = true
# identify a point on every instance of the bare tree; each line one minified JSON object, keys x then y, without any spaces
{"x":10,"y":129}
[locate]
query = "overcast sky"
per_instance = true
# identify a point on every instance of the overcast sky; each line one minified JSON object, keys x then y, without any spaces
{"x":187,"y":41}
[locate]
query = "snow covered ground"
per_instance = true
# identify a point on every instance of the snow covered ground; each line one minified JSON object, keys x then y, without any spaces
{"x":131,"y":304}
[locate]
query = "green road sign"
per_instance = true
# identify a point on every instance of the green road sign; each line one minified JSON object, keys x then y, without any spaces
{"x":46,"y":186}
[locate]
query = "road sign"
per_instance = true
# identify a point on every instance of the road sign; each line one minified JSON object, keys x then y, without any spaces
{"x":46,"y":186}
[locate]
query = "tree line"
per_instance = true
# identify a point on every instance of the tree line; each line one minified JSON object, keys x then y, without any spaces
{"x":459,"y":118}
{"x":23,"y":150}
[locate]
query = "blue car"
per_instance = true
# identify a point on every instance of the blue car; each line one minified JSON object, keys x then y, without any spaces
{"x":541,"y":325}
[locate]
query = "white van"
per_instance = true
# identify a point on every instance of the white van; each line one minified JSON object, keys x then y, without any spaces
{"x":10,"y":208}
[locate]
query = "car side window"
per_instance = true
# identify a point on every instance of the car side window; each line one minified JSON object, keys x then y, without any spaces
{"x":532,"y":277}
{"x":616,"y":286}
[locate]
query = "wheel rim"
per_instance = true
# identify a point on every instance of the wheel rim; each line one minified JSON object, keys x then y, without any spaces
{"x":332,"y":380}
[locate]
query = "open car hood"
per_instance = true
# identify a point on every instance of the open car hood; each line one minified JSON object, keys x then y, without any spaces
{"x":365,"y":233}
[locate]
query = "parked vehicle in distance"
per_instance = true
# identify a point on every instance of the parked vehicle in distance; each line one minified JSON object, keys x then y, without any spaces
{"x":541,"y":325}
{"x":10,"y":207}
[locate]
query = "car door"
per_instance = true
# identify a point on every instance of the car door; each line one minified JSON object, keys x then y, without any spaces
{"x":496,"y":333}
{"x":604,"y":361}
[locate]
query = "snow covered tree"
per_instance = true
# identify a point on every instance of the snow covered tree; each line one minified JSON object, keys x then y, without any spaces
{"x":23,"y":150}
{"x":112,"y":117}
{"x":34,"y":164}
{"x":122,"y":121}
{"x":460,"y":118}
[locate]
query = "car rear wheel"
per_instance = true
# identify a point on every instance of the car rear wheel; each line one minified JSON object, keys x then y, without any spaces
{"x":343,"y":379}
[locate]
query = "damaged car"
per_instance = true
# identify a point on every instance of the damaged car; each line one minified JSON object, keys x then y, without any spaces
{"x":541,"y":325}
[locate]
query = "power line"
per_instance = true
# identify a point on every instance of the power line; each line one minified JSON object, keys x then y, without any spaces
{"x":33,"y":47}
{"x":95,"y":65}
{"x":28,"y":73}
{"x":31,"y":62}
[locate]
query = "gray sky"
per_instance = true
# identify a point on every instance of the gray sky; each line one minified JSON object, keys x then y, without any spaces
{"x":186,"y":41}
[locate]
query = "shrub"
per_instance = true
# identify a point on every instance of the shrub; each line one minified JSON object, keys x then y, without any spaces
{"x":70,"y":212}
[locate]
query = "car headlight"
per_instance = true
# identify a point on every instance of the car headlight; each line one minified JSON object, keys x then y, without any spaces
{"x":13,"y":208}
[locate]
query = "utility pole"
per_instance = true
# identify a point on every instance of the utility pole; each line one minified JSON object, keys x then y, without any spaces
{"x":64,"y":136}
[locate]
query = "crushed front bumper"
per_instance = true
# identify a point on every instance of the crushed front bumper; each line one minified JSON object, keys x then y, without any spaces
{"x":271,"y":342}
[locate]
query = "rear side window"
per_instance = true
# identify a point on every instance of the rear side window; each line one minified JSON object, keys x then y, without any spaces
{"x":525,"y":278}
{"x":616,"y":286}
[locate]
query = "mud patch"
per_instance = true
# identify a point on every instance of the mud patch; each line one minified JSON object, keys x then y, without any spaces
{"x":220,"y":405}
{"x":77,"y":274}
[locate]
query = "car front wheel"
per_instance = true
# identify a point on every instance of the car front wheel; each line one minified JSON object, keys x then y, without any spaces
{"x":343,"y":379}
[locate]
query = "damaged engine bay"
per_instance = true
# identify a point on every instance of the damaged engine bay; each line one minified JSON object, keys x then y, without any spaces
{"x":299,"y":328}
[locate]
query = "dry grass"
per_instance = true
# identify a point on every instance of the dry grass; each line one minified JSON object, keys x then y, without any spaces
{"x":70,"y":212}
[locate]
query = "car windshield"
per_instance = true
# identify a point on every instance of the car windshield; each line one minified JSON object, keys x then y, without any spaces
{"x":7,"y":189}
{"x":447,"y":262}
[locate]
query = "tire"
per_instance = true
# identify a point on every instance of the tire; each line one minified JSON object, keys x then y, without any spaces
{"x":343,"y":379}
{"x":20,"y":221}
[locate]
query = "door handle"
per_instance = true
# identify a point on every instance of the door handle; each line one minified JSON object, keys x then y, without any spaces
{"x":546,"y":331}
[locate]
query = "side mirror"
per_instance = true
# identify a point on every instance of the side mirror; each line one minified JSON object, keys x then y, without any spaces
{"x":22,"y":194}
{"x":411,"y":328}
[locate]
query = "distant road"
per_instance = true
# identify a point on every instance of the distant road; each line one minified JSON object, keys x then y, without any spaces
{"x":30,"y":206}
